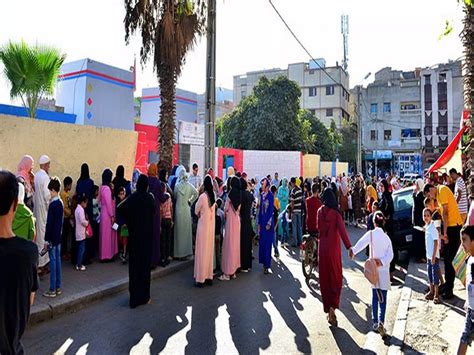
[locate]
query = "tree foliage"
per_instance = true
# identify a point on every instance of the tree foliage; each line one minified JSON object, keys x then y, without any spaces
{"x":268,"y":119}
{"x":32,"y":72}
{"x":168,"y":29}
{"x":323,"y":141}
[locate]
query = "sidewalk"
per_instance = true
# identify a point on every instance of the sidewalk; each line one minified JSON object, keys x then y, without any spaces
{"x":80,"y":288}
{"x":424,"y":326}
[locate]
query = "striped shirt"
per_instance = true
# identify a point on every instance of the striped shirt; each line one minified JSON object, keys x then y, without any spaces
{"x":297,"y":199}
{"x":166,"y":209}
{"x":460,"y":187}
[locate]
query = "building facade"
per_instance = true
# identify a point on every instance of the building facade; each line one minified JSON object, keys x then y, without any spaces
{"x":442,"y":106}
{"x":325,"y":93}
{"x":98,"y":94}
{"x":408,"y":117}
{"x":224,"y":104}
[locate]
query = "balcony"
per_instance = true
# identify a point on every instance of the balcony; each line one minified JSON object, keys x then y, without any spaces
{"x":412,"y":112}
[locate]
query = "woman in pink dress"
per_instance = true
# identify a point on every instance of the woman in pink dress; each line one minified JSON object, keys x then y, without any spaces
{"x":108,"y":245}
{"x":204,"y":252}
{"x":231,"y":245}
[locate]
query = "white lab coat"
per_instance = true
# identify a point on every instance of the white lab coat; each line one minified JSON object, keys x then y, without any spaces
{"x":381,"y":249}
{"x":41,"y":199}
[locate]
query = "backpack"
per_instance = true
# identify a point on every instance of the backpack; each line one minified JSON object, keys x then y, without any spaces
{"x":370,"y":267}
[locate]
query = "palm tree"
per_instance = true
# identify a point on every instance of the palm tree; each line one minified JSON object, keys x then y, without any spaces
{"x":467,"y":38}
{"x":169,"y":29}
{"x":32,"y":72}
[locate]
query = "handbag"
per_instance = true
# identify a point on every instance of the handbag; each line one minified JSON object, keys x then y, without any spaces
{"x":459,"y":264}
{"x":370,"y":266}
{"x":89,"y":232}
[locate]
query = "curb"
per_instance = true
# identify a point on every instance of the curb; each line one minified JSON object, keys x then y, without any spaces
{"x":78,"y":301}
{"x":399,"y":327}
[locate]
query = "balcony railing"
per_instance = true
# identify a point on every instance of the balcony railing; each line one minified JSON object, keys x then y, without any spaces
{"x":411,"y":112}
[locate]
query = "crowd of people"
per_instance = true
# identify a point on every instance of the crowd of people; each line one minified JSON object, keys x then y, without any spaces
{"x":158,"y":217}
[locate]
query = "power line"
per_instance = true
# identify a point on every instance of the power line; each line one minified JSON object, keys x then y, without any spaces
{"x":301,"y":44}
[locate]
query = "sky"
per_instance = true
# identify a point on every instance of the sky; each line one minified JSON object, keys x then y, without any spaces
{"x":402,"y":34}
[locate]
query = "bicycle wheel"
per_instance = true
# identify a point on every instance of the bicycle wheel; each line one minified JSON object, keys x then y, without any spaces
{"x":307,"y":263}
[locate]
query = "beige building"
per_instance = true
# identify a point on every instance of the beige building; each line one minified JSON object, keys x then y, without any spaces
{"x":325,"y":93}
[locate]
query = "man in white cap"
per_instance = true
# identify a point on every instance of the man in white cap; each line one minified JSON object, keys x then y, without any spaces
{"x":41,"y":199}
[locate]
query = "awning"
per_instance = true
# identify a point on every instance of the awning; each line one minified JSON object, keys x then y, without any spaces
{"x":446,"y":157}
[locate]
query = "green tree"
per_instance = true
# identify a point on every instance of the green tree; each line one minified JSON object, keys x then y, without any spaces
{"x":348,"y":143}
{"x":32,"y":72}
{"x":323,"y":142}
{"x":169,"y":29}
{"x":268,"y":119}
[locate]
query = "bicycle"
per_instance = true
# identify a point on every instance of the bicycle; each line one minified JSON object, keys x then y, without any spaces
{"x":309,"y":254}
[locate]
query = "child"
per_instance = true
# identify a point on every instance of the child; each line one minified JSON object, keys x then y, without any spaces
{"x":436,"y":218}
{"x":81,"y":225}
{"x":285,"y":219}
{"x":122,"y":229}
{"x":467,"y":240}
{"x":166,"y":213}
{"x":23,"y":222}
{"x":65,"y":196}
{"x":93,"y":243}
{"x":432,"y":256}
{"x":276,"y":210}
{"x":382,"y":252}
{"x":218,"y":233}
{"x":350,"y":218}
{"x":54,"y":226}
{"x":370,"y":218}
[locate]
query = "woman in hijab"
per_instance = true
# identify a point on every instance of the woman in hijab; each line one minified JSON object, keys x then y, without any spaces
{"x":85,"y":186}
{"x":138,"y":211}
{"x":163,"y":176}
{"x":108,"y":246}
{"x":283,"y":196}
{"x":246,"y":230}
{"x":356,"y":202}
{"x":371,"y":197}
{"x":266,"y":227}
{"x":204,"y":255}
{"x":231,"y":245}
{"x":155,"y":189}
{"x":331,"y":230}
{"x":24,"y":223}
{"x":120,"y":181}
{"x":185,"y":194}
{"x":419,"y":251}
{"x":26,"y":177}
{"x":173,"y":178}
{"x":386,"y":206}
{"x":344,"y":197}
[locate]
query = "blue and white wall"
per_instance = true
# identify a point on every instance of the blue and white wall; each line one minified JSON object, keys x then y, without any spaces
{"x":99,"y":94}
{"x":186,"y":106}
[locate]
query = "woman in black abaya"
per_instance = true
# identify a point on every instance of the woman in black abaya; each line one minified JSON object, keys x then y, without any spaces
{"x":138,"y":211}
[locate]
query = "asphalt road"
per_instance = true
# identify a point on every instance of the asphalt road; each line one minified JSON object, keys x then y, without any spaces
{"x":278,"y":314}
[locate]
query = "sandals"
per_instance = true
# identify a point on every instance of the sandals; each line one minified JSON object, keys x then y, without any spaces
{"x":436,"y":300}
{"x":429,"y":296}
{"x":332,"y":319}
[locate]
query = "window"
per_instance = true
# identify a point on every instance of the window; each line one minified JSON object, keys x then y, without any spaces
{"x":311,"y":71}
{"x":243,"y":94}
{"x":373,"y":108}
{"x":329,"y":112}
{"x":313,"y":91}
{"x":428,"y":131}
{"x":387,"y":135}
{"x":312,"y":111}
{"x":442,"y":78}
{"x":330,"y":90}
{"x":373,"y":135}
{"x":407,"y":133}
{"x":387,"y":107}
{"x":427,"y":79}
{"x":442,"y":130}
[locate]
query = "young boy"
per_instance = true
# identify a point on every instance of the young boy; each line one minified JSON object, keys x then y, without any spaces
{"x":370,"y":218}
{"x":313,"y":204}
{"x":66,"y":239}
{"x":467,"y":240}
{"x":432,"y":256}
{"x":54,"y":226}
{"x":81,"y":225}
{"x":218,"y":233}
{"x":123,"y":230}
{"x":166,"y":214}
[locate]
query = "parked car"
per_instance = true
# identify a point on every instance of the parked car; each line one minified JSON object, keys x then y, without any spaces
{"x":410,"y":178}
{"x":402,"y":218}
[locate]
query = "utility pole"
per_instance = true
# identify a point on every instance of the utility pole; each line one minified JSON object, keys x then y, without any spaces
{"x":359,"y":133}
{"x":210,"y":128}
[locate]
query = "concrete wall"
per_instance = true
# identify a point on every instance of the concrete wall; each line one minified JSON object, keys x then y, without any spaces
{"x":311,"y":165}
{"x":342,"y":168}
{"x":325,"y":168}
{"x":262,"y":163}
{"x":67,"y":145}
{"x":197,"y":156}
